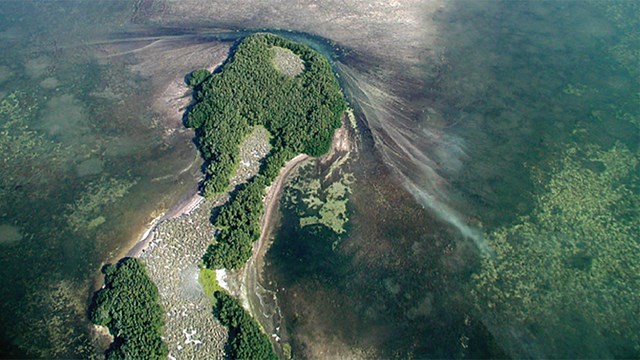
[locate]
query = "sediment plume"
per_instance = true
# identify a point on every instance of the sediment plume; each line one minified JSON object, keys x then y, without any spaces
{"x":420,"y":155}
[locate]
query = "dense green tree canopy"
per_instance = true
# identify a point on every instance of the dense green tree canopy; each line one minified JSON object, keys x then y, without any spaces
{"x":238,"y":225}
{"x":301,"y":112}
{"x":246,"y":340}
{"x":197,"y":77}
{"x":128,"y":306}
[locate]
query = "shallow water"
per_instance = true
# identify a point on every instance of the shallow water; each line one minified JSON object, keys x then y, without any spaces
{"x":509,"y":140}
{"x":87,"y":158}
{"x":472,"y":115}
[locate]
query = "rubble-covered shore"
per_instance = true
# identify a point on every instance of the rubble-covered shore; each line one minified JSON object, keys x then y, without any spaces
{"x":173,"y":257}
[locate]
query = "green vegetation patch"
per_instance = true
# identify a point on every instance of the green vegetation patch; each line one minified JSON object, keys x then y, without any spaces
{"x":626,"y":48}
{"x":576,"y":258}
{"x":209,"y":282}
{"x":197,"y":77}
{"x":128,"y":305}
{"x":55,"y":310}
{"x":239,"y":227}
{"x":301,"y":113}
{"x":318,"y":204}
{"x":85,"y":213}
{"x":246,"y":340}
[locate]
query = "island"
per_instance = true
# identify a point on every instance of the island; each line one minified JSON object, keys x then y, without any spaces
{"x":301,"y":112}
{"x":270,"y":85}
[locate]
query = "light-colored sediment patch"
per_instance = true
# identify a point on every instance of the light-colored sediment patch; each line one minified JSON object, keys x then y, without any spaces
{"x":100,"y":330}
{"x":50,"y":83}
{"x":287,"y":61}
{"x":38,"y":66}
{"x":150,"y":58}
{"x":121,"y":146}
{"x":85,"y":213}
{"x":96,"y":222}
{"x":90,"y":167}
{"x":64,"y":117}
{"x":342,"y":141}
{"x":9,"y":234}
{"x":171,"y":94}
{"x":186,"y":208}
{"x":221,"y":278}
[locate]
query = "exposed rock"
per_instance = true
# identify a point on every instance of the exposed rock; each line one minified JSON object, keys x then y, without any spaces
{"x":172,"y":259}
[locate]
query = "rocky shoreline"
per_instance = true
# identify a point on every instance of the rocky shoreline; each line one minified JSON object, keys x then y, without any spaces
{"x":173,"y":245}
{"x":247,"y":283}
{"x":172,"y":252}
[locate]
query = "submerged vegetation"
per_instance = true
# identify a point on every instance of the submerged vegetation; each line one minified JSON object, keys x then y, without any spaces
{"x":300,"y":112}
{"x":577,"y":256}
{"x":626,"y":49}
{"x":128,"y":305}
{"x":86,"y":212}
{"x":565,"y":275}
{"x":323,"y":203}
{"x":25,"y":152}
{"x":246,"y":340}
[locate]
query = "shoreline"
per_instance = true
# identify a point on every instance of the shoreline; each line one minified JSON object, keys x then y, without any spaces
{"x":235,"y":282}
{"x":184,"y":207}
{"x":173,"y":105}
{"x":158,"y":248}
{"x":249,"y":278}
{"x":247,"y":281}
{"x":340,"y":142}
